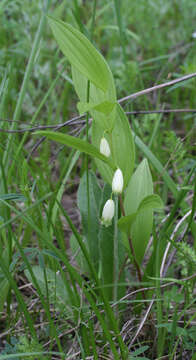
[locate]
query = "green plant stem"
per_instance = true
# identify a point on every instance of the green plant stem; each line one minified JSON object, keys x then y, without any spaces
{"x":116,"y":255}
{"x":87,"y":158}
{"x":139,"y":274}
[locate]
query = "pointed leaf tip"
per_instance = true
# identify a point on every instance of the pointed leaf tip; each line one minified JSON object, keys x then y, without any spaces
{"x":81,"y":53}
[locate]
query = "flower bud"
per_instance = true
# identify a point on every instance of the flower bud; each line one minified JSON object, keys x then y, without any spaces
{"x":107,"y":213}
{"x":104,"y":147}
{"x":117,"y":182}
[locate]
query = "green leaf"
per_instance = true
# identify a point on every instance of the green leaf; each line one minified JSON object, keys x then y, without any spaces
{"x":126,"y":222}
{"x":104,"y":107}
{"x":123,"y":145}
{"x":139,"y":187}
{"x":96,"y":96}
{"x":13,"y":197}
{"x":26,"y":355}
{"x":134,"y":355}
{"x":141,"y":350}
{"x":81,"y":53}
{"x":151,"y":202}
{"x":76,"y":143}
{"x":91,"y":221}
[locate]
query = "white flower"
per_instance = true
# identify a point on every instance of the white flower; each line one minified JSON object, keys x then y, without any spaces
{"x":194,"y":35}
{"x":117,"y":182}
{"x":104,"y":147}
{"x":107,"y":213}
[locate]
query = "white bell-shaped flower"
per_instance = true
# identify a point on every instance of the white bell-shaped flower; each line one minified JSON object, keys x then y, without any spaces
{"x":108,"y":212}
{"x":104,"y":147}
{"x":117,"y":182}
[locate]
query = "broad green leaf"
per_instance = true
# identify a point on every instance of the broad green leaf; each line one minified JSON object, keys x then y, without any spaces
{"x":126,"y":222}
{"x":91,"y":223}
{"x":105,"y":107}
{"x":139,"y":187}
{"x":121,"y":144}
{"x":81,"y":53}
{"x":151,"y":202}
{"x":76,"y":143}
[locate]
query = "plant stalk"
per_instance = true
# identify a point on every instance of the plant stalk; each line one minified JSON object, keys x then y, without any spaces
{"x":116,"y":255}
{"x":138,"y":270}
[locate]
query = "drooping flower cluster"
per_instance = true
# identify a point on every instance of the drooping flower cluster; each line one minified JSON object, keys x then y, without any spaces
{"x":117,"y":186}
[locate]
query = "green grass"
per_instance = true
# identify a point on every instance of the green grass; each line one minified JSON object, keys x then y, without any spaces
{"x":51,"y":305}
